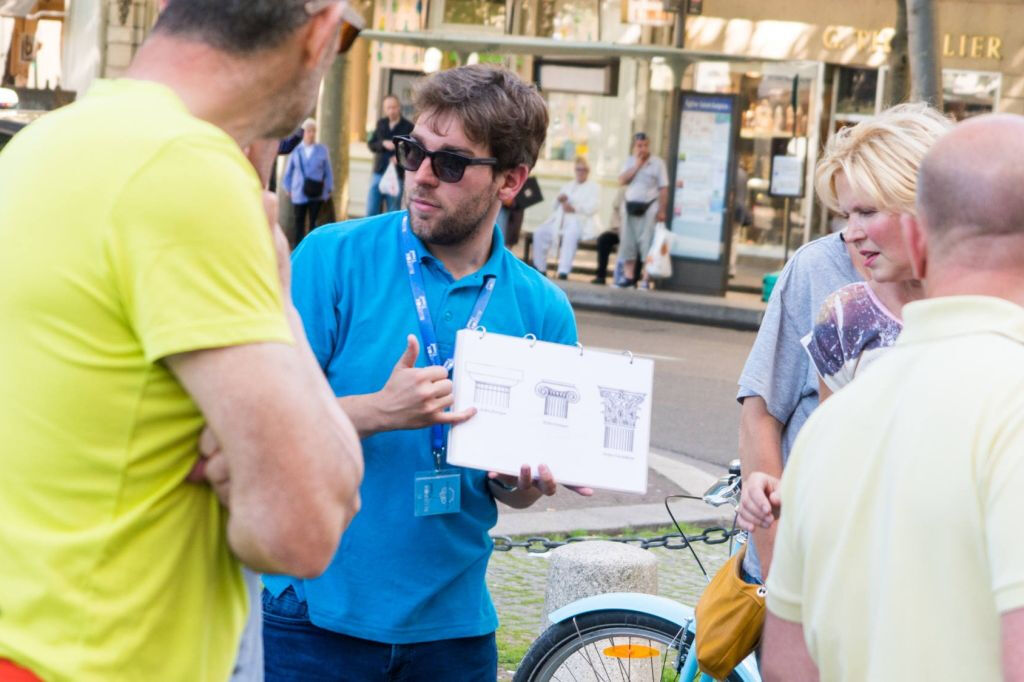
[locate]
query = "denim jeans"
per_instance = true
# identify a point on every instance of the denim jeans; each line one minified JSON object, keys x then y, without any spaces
{"x":374,"y":197}
{"x":295,"y":650}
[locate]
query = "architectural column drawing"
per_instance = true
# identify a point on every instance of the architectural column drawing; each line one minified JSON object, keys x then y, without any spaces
{"x":493,"y":385}
{"x":621,"y":412}
{"x":557,"y":397}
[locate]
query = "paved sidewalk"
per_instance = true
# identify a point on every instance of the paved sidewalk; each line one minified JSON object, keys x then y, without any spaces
{"x":607,"y":512}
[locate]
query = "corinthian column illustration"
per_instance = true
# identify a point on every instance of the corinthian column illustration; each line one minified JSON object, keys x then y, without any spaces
{"x":557,"y":397}
{"x":621,"y":411}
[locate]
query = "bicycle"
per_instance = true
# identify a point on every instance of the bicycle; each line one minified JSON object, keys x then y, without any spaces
{"x":630,"y":636}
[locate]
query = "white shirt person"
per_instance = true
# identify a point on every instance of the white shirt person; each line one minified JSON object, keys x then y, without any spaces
{"x":575,"y":216}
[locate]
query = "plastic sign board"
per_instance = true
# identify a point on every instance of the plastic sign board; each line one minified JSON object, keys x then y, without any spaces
{"x":787,"y":176}
{"x":586,"y":414}
{"x":701,"y":193}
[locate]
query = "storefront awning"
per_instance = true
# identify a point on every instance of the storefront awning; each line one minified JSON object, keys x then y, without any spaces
{"x":16,"y":8}
{"x":512,"y":44}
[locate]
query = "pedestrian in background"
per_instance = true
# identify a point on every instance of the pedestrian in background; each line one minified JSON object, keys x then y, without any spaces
{"x":308,"y":179}
{"x":383,"y":147}
{"x":645,"y":178}
{"x":609,"y":239}
{"x":574,"y":219}
{"x":148,"y":295}
{"x":898,"y":553}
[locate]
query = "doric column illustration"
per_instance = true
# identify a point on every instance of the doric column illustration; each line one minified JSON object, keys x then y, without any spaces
{"x":493,"y":385}
{"x":557,"y":397}
{"x":621,"y":411}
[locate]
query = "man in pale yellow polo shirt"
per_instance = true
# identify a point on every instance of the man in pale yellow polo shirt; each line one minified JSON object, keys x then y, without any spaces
{"x":900,"y":554}
{"x":143,"y":296}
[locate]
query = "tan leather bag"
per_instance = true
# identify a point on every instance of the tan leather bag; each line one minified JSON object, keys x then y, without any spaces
{"x":730,"y":617}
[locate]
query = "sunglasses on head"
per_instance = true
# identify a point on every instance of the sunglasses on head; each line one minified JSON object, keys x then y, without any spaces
{"x":447,"y":166}
{"x":352,"y":22}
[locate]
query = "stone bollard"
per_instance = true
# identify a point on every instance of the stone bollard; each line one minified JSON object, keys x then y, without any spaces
{"x":583,"y":569}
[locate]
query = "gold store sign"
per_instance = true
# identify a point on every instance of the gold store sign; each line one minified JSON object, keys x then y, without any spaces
{"x":953,"y":44}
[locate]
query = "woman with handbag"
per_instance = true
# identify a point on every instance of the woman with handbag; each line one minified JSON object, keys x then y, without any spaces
{"x":308,"y":179}
{"x":574,"y":216}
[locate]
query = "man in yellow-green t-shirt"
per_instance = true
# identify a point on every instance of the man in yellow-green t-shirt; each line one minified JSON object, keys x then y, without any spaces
{"x":142,"y":299}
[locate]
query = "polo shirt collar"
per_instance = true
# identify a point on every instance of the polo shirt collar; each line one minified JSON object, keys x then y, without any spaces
{"x":933,"y":319}
{"x":491,"y":267}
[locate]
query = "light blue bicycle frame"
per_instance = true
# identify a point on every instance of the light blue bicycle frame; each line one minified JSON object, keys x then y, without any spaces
{"x":664,"y":608}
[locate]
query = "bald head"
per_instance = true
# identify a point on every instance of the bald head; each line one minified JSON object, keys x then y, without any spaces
{"x":971,"y":183}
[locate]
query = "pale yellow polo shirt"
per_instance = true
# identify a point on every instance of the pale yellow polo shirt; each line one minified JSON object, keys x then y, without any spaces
{"x":901,"y":539}
{"x":129,"y":231}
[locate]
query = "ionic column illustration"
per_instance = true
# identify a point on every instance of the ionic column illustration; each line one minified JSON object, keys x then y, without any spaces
{"x":493,"y":385}
{"x":621,"y":411}
{"x":557,"y":397}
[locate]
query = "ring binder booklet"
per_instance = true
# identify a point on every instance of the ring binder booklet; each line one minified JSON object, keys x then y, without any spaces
{"x":584,"y":413}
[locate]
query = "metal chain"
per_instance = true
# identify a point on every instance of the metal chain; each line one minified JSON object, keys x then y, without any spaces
{"x":539,"y":545}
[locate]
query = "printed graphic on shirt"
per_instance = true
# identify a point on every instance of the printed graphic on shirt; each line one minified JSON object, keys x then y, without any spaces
{"x":852,"y":323}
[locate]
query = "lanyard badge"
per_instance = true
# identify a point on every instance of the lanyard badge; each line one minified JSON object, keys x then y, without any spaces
{"x":437,"y":491}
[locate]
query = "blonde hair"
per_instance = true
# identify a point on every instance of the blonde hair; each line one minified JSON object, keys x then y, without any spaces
{"x":880,"y":157}
{"x":583,"y":160}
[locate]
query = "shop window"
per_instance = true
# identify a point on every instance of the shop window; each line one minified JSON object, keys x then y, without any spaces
{"x":568,"y":20}
{"x":970,"y":93}
{"x":571,"y":126}
{"x":488,"y":13}
{"x":856,"y":94}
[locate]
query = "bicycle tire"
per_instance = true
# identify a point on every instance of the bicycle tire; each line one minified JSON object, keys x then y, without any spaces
{"x":572,"y":647}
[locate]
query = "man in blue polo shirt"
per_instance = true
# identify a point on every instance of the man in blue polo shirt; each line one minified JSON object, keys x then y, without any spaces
{"x":405,"y":596}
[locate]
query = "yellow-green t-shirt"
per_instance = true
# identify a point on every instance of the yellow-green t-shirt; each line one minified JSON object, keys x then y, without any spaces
{"x":129,"y":231}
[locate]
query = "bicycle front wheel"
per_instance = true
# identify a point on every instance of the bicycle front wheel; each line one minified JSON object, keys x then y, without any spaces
{"x":608,"y":646}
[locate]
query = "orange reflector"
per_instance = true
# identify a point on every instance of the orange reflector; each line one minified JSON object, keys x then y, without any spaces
{"x":631,"y":651}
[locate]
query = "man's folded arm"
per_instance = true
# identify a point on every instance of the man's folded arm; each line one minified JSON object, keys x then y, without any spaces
{"x":294,"y":459}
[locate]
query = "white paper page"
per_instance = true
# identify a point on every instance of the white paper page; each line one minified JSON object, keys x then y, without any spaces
{"x":587,"y":415}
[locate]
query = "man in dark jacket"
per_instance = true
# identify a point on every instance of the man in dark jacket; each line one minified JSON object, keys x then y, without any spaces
{"x":393,"y":123}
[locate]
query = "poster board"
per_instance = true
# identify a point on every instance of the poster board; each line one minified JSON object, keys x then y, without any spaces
{"x":585,"y":414}
{"x":787,"y":176}
{"x":703,"y":176}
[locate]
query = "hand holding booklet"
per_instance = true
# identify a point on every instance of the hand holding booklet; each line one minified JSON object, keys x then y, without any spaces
{"x":585,"y":414}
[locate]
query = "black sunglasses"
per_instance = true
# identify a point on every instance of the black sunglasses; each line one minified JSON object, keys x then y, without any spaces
{"x":447,"y":166}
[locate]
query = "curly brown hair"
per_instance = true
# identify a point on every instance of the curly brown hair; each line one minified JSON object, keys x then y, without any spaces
{"x":495,"y":107}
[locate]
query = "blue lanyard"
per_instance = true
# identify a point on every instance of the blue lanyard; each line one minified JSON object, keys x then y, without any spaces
{"x":427,"y":335}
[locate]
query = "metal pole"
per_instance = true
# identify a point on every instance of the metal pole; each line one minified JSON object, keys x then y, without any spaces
{"x":785,"y":230}
{"x":675,"y":112}
{"x":674,"y":120}
{"x":925,"y":83}
{"x":333,"y":131}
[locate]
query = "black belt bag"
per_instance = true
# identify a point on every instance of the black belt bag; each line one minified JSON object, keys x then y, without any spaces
{"x":638,"y":207}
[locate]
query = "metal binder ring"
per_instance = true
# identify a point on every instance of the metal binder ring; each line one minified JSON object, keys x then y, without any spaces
{"x":630,"y":354}
{"x":532,"y":338}
{"x":580,"y":346}
{"x":483,"y":331}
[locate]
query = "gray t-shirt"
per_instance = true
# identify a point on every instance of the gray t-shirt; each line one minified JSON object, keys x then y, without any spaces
{"x":648,"y":181}
{"x":778,"y":368}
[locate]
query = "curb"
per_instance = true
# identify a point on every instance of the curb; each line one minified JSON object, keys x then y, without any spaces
{"x":664,"y":305}
{"x":693,"y":479}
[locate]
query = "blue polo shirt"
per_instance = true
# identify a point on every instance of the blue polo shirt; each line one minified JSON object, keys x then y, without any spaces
{"x":399,"y":578}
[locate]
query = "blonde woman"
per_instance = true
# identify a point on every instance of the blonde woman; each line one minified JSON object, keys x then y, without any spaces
{"x":868,"y":175}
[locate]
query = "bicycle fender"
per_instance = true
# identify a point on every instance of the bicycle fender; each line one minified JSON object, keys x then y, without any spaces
{"x":670,"y":610}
